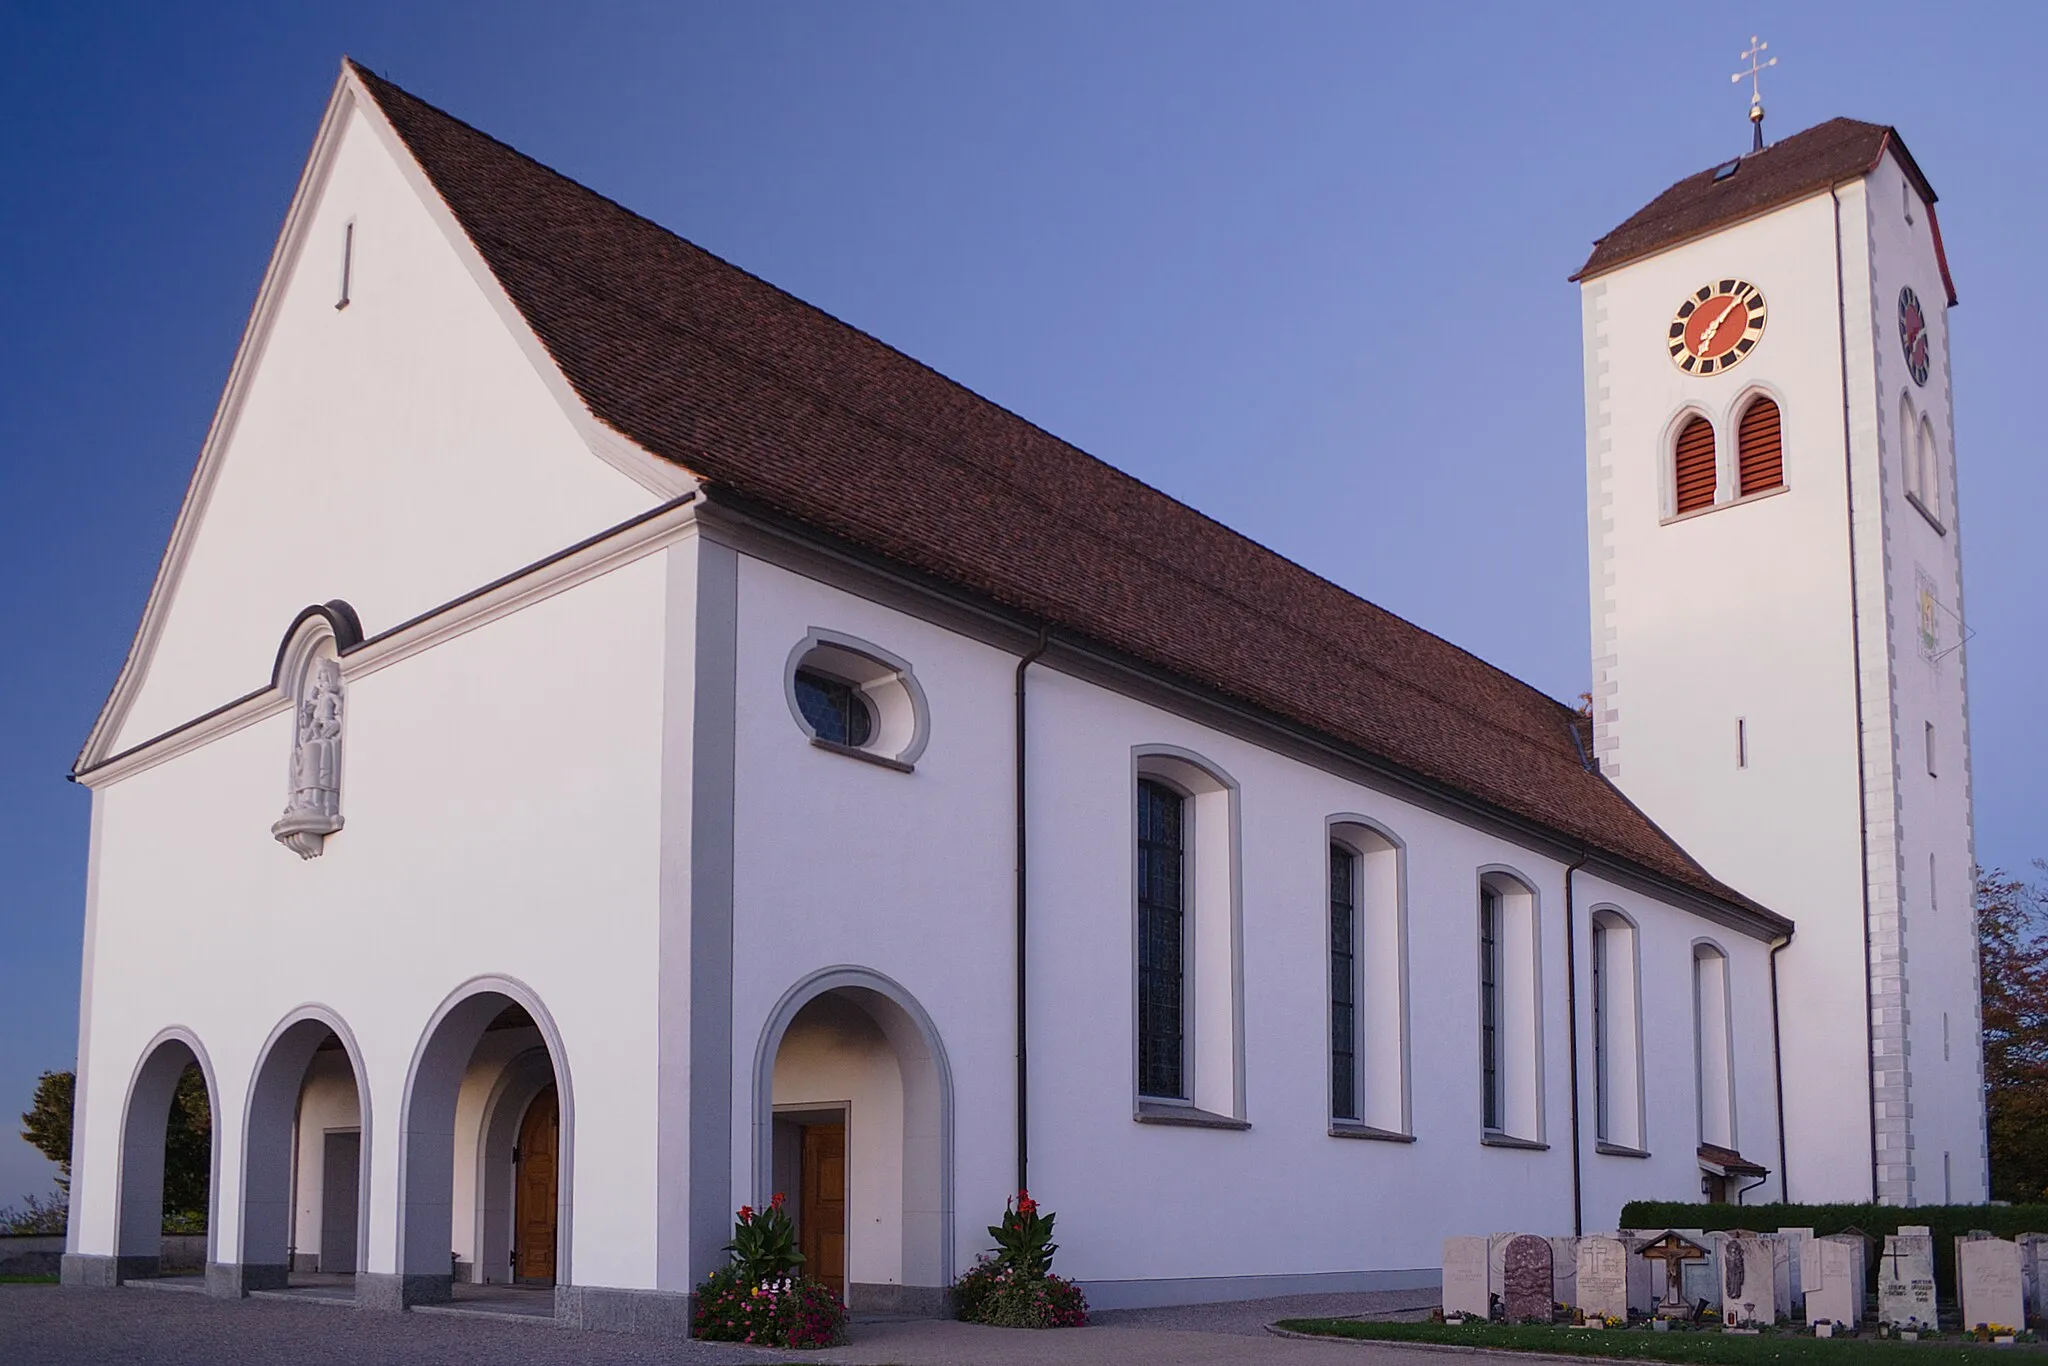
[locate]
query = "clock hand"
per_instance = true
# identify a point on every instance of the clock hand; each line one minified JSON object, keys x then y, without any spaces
{"x":1707,"y":337}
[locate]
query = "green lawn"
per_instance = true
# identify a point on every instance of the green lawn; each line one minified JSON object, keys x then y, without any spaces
{"x":28,"y":1280}
{"x":1726,"y":1348}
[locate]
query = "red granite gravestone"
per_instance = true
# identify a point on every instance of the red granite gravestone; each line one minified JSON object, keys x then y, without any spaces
{"x":1525,"y":1281}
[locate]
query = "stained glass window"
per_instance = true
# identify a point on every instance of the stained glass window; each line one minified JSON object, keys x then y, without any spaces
{"x":837,"y":712}
{"x":1162,"y":891}
{"x":1489,"y":1008}
{"x":1343,"y":983}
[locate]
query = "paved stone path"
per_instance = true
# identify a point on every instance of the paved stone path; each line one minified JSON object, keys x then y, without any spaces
{"x":46,"y":1326}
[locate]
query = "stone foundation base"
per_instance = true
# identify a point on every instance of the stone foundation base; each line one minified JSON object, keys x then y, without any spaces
{"x":232,"y":1280}
{"x":924,"y":1301}
{"x":88,"y":1271}
{"x":647,"y":1313}
{"x":390,"y":1293}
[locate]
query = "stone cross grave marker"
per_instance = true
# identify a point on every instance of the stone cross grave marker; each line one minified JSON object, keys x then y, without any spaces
{"x":1605,"y":1273}
{"x":1905,"y":1281}
{"x":1988,"y":1269}
{"x":1465,"y":1289}
{"x":1674,"y":1250}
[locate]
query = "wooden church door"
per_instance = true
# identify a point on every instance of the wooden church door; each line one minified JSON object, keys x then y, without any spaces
{"x":535,"y":1177}
{"x":823,"y":1205}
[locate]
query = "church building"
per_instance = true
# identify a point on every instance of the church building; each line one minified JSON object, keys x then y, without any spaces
{"x":609,"y":742}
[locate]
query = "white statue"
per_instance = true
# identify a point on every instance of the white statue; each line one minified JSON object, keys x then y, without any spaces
{"x":313,"y":811}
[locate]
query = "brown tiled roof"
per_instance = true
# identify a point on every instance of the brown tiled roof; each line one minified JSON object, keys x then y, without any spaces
{"x":1803,"y":164}
{"x":761,"y":394}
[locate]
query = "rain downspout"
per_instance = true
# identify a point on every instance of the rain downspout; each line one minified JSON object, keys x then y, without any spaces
{"x":1023,"y":1067}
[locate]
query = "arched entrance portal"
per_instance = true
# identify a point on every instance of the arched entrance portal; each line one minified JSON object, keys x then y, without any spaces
{"x":488,"y":1134}
{"x":853,"y":1123}
{"x":168,"y":1157}
{"x":305,"y":1184}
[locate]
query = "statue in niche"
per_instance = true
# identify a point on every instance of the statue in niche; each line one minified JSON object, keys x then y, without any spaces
{"x":314,"y":809}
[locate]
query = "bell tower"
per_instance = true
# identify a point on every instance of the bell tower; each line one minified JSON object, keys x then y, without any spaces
{"x":1777,"y":613}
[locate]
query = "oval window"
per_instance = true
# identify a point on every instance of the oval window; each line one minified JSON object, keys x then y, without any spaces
{"x":837,"y":711}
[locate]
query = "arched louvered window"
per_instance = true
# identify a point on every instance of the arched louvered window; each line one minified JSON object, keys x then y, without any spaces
{"x":1694,"y":467}
{"x":1760,"y":450}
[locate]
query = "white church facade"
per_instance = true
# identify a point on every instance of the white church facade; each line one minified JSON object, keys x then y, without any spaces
{"x":608,"y":742}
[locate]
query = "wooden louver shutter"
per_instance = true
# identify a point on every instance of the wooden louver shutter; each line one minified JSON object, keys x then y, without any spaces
{"x":1762,"y":454}
{"x":1695,"y":466}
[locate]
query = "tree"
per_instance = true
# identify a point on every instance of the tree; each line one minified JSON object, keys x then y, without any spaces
{"x":188,"y":1143}
{"x":47,"y":1122}
{"x":2012,"y":948}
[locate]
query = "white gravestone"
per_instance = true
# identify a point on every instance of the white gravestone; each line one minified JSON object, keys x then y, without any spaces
{"x":1564,"y":1269}
{"x":1836,"y":1294}
{"x":1465,"y":1289}
{"x":1905,"y":1281}
{"x":1749,"y":1281}
{"x":1611,"y":1279}
{"x":1989,"y":1272}
{"x":1701,"y":1279}
{"x":1496,"y":1261}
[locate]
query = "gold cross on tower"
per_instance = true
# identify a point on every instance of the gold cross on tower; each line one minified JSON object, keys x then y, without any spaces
{"x":1757,"y":48}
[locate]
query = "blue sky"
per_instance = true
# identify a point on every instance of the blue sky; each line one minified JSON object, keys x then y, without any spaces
{"x":1280,"y":260}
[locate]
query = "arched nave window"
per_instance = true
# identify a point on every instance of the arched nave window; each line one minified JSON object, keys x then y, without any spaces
{"x":1189,"y":1064}
{"x":1713,"y":1052}
{"x":1617,"y":1035}
{"x":1692,"y":467}
{"x":1510,"y":1006}
{"x":1368,"y":983}
{"x":1760,"y":454}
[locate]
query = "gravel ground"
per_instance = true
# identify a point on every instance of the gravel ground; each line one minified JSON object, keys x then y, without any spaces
{"x":46,"y":1326}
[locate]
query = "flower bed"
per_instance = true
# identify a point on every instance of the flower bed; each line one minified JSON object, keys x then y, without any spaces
{"x":763,"y":1297}
{"x":1014,"y":1286}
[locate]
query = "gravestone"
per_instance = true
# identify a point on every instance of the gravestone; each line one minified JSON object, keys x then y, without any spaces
{"x":1674,"y":1251}
{"x":1564,"y":1269}
{"x":2033,"y":1252}
{"x":1701,"y":1280}
{"x":1781,"y":1277}
{"x":1611,"y":1280}
{"x":1837,"y":1293}
{"x":1749,"y":1281}
{"x":1525,"y":1278}
{"x":1465,"y":1290}
{"x":1905,"y":1280}
{"x":1805,"y":1268}
{"x":1988,"y":1270}
{"x":1496,"y":1261}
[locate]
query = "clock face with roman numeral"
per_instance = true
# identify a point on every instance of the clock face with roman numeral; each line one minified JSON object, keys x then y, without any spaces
{"x":1717,"y":325}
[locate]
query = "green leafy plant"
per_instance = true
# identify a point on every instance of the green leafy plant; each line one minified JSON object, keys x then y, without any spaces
{"x":1014,"y":1287}
{"x":1024,"y":1238}
{"x":763,"y":1245}
{"x":762,"y":1296}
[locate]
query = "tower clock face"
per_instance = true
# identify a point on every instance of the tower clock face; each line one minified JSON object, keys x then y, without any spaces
{"x":1913,"y":334}
{"x":1717,"y":325}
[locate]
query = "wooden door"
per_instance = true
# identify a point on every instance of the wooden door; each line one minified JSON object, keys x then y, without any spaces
{"x":822,"y":1205}
{"x":535,"y":1176}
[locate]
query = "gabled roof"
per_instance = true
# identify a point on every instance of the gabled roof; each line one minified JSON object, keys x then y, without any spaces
{"x":762,"y":395}
{"x":1784,"y":172}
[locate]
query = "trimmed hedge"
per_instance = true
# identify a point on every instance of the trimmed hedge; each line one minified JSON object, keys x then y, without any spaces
{"x":1949,"y":1222}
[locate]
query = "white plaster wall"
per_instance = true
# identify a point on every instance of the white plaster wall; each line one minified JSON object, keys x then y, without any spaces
{"x":837,"y":861}
{"x":1932,"y":813}
{"x":396,"y":453}
{"x":502,"y":798}
{"x":908,"y":874}
{"x":834,"y":1054}
{"x":326,"y":1101}
{"x":1743,"y":612}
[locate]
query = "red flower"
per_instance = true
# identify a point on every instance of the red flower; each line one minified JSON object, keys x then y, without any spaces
{"x":746,"y":1213}
{"x":776,"y":1203}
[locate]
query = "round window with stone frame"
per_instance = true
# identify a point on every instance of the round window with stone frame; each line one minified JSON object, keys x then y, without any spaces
{"x":853,"y":697}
